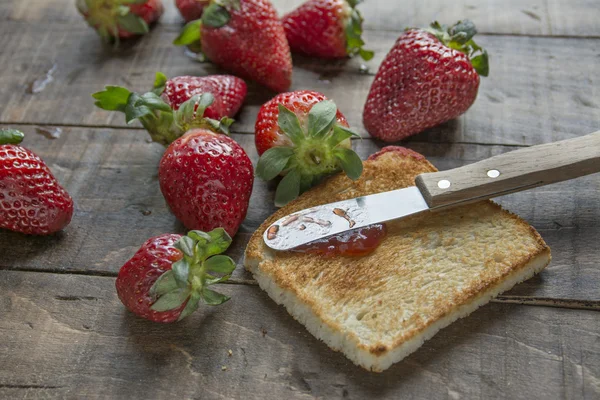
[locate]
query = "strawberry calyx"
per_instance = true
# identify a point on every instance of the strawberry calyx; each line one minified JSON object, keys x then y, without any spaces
{"x":11,"y":136}
{"x":318,"y":149}
{"x":189,"y":278}
{"x":215,"y":15}
{"x":110,"y":16}
{"x":353,"y":29}
{"x":162,"y":123}
{"x":460,"y":37}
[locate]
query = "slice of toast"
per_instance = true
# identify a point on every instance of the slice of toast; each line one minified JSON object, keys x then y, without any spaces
{"x":429,"y":270}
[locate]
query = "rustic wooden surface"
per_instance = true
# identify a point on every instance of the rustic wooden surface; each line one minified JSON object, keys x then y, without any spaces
{"x":65,"y":334}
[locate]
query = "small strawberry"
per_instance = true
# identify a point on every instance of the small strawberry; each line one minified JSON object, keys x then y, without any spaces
{"x":206,"y":179}
{"x":327,"y":29}
{"x":179,"y":104}
{"x":31,"y":200}
{"x":191,"y":9}
{"x":304,"y":137}
{"x":429,"y":77}
{"x":120,"y":19}
{"x":244,"y":37}
{"x":170,"y":274}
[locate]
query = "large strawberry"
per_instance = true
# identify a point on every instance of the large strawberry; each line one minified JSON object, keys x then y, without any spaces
{"x":327,"y":29}
{"x":191,"y":9}
{"x":244,"y":37}
{"x":120,"y":19}
{"x":170,"y":275}
{"x":31,"y":199}
{"x":179,"y":104}
{"x":429,"y":77}
{"x":206,"y":179}
{"x":304,"y":137}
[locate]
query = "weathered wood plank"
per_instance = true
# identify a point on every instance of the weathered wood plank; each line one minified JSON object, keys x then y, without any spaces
{"x":112,"y":176}
{"x":69,"y":336}
{"x":518,"y":17}
{"x":539,"y":90}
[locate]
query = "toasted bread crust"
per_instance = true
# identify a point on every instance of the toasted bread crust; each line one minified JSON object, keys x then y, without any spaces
{"x":443,"y":241}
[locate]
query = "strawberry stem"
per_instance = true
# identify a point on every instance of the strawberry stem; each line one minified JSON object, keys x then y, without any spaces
{"x":189,"y":278}
{"x":460,"y":37}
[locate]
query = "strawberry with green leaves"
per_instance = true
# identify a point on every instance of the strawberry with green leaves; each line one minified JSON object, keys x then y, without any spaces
{"x":170,"y":275}
{"x":304,"y":137}
{"x":31,"y":199}
{"x":179,"y":104}
{"x":429,"y":76}
{"x":120,"y":19}
{"x":244,"y":37}
{"x":326,"y":29}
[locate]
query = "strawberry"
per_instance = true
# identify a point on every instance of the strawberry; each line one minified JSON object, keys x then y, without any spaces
{"x":176,"y":105}
{"x":244,"y":37}
{"x":170,"y":274}
{"x":429,"y":77}
{"x":304,"y":137}
{"x":191,"y":9}
{"x":206,"y":179}
{"x":120,"y":19}
{"x":31,"y":200}
{"x":327,"y":29}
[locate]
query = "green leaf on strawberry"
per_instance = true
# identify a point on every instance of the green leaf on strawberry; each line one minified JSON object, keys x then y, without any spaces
{"x":190,"y":34}
{"x":354,"y":41}
{"x":11,"y":136}
{"x":189,"y":277}
{"x":317,"y":146}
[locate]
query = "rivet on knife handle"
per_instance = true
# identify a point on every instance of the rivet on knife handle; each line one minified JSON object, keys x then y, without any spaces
{"x":512,"y":172}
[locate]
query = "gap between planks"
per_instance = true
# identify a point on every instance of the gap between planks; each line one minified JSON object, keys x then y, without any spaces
{"x":177,"y":27}
{"x":233,"y":131}
{"x":576,"y":304}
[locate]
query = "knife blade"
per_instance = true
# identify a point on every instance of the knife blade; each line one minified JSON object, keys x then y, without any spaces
{"x":503,"y":174}
{"x":318,"y":222}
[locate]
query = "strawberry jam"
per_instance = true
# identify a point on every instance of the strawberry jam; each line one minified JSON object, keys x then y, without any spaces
{"x":354,"y":243}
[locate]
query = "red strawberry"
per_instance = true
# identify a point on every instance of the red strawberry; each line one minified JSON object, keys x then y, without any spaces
{"x":206,"y":179}
{"x":191,"y":9}
{"x":229,"y":92}
{"x":31,"y":200}
{"x":304,"y":137}
{"x":327,"y":29}
{"x":429,"y":77}
{"x":179,"y":104}
{"x":120,"y":19}
{"x":244,"y":37}
{"x":168,"y":276}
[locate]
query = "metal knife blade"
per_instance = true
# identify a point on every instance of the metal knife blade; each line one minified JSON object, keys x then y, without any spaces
{"x":318,"y":222}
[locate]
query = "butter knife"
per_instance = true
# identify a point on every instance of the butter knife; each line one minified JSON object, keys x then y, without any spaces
{"x":510,"y":172}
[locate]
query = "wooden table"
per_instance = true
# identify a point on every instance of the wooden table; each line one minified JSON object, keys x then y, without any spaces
{"x":66,"y":335}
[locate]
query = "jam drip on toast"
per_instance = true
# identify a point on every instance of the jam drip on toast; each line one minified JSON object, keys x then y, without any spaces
{"x":354,"y":243}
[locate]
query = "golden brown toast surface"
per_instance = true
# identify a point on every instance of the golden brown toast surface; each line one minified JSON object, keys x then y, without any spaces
{"x":426,"y":268}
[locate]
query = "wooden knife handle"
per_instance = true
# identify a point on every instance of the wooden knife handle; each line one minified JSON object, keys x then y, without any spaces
{"x":512,"y":172}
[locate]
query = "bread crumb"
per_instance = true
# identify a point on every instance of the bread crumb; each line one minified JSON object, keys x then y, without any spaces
{"x":229,"y":352}
{"x":223,"y":368}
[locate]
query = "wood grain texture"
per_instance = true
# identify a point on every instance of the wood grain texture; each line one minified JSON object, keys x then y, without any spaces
{"x":539,"y":90}
{"x":517,"y":170}
{"x":112,"y":176}
{"x":71,"y":337}
{"x":512,"y":17}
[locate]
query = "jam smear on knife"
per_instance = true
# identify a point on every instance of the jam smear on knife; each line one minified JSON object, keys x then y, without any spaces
{"x":355,"y":243}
